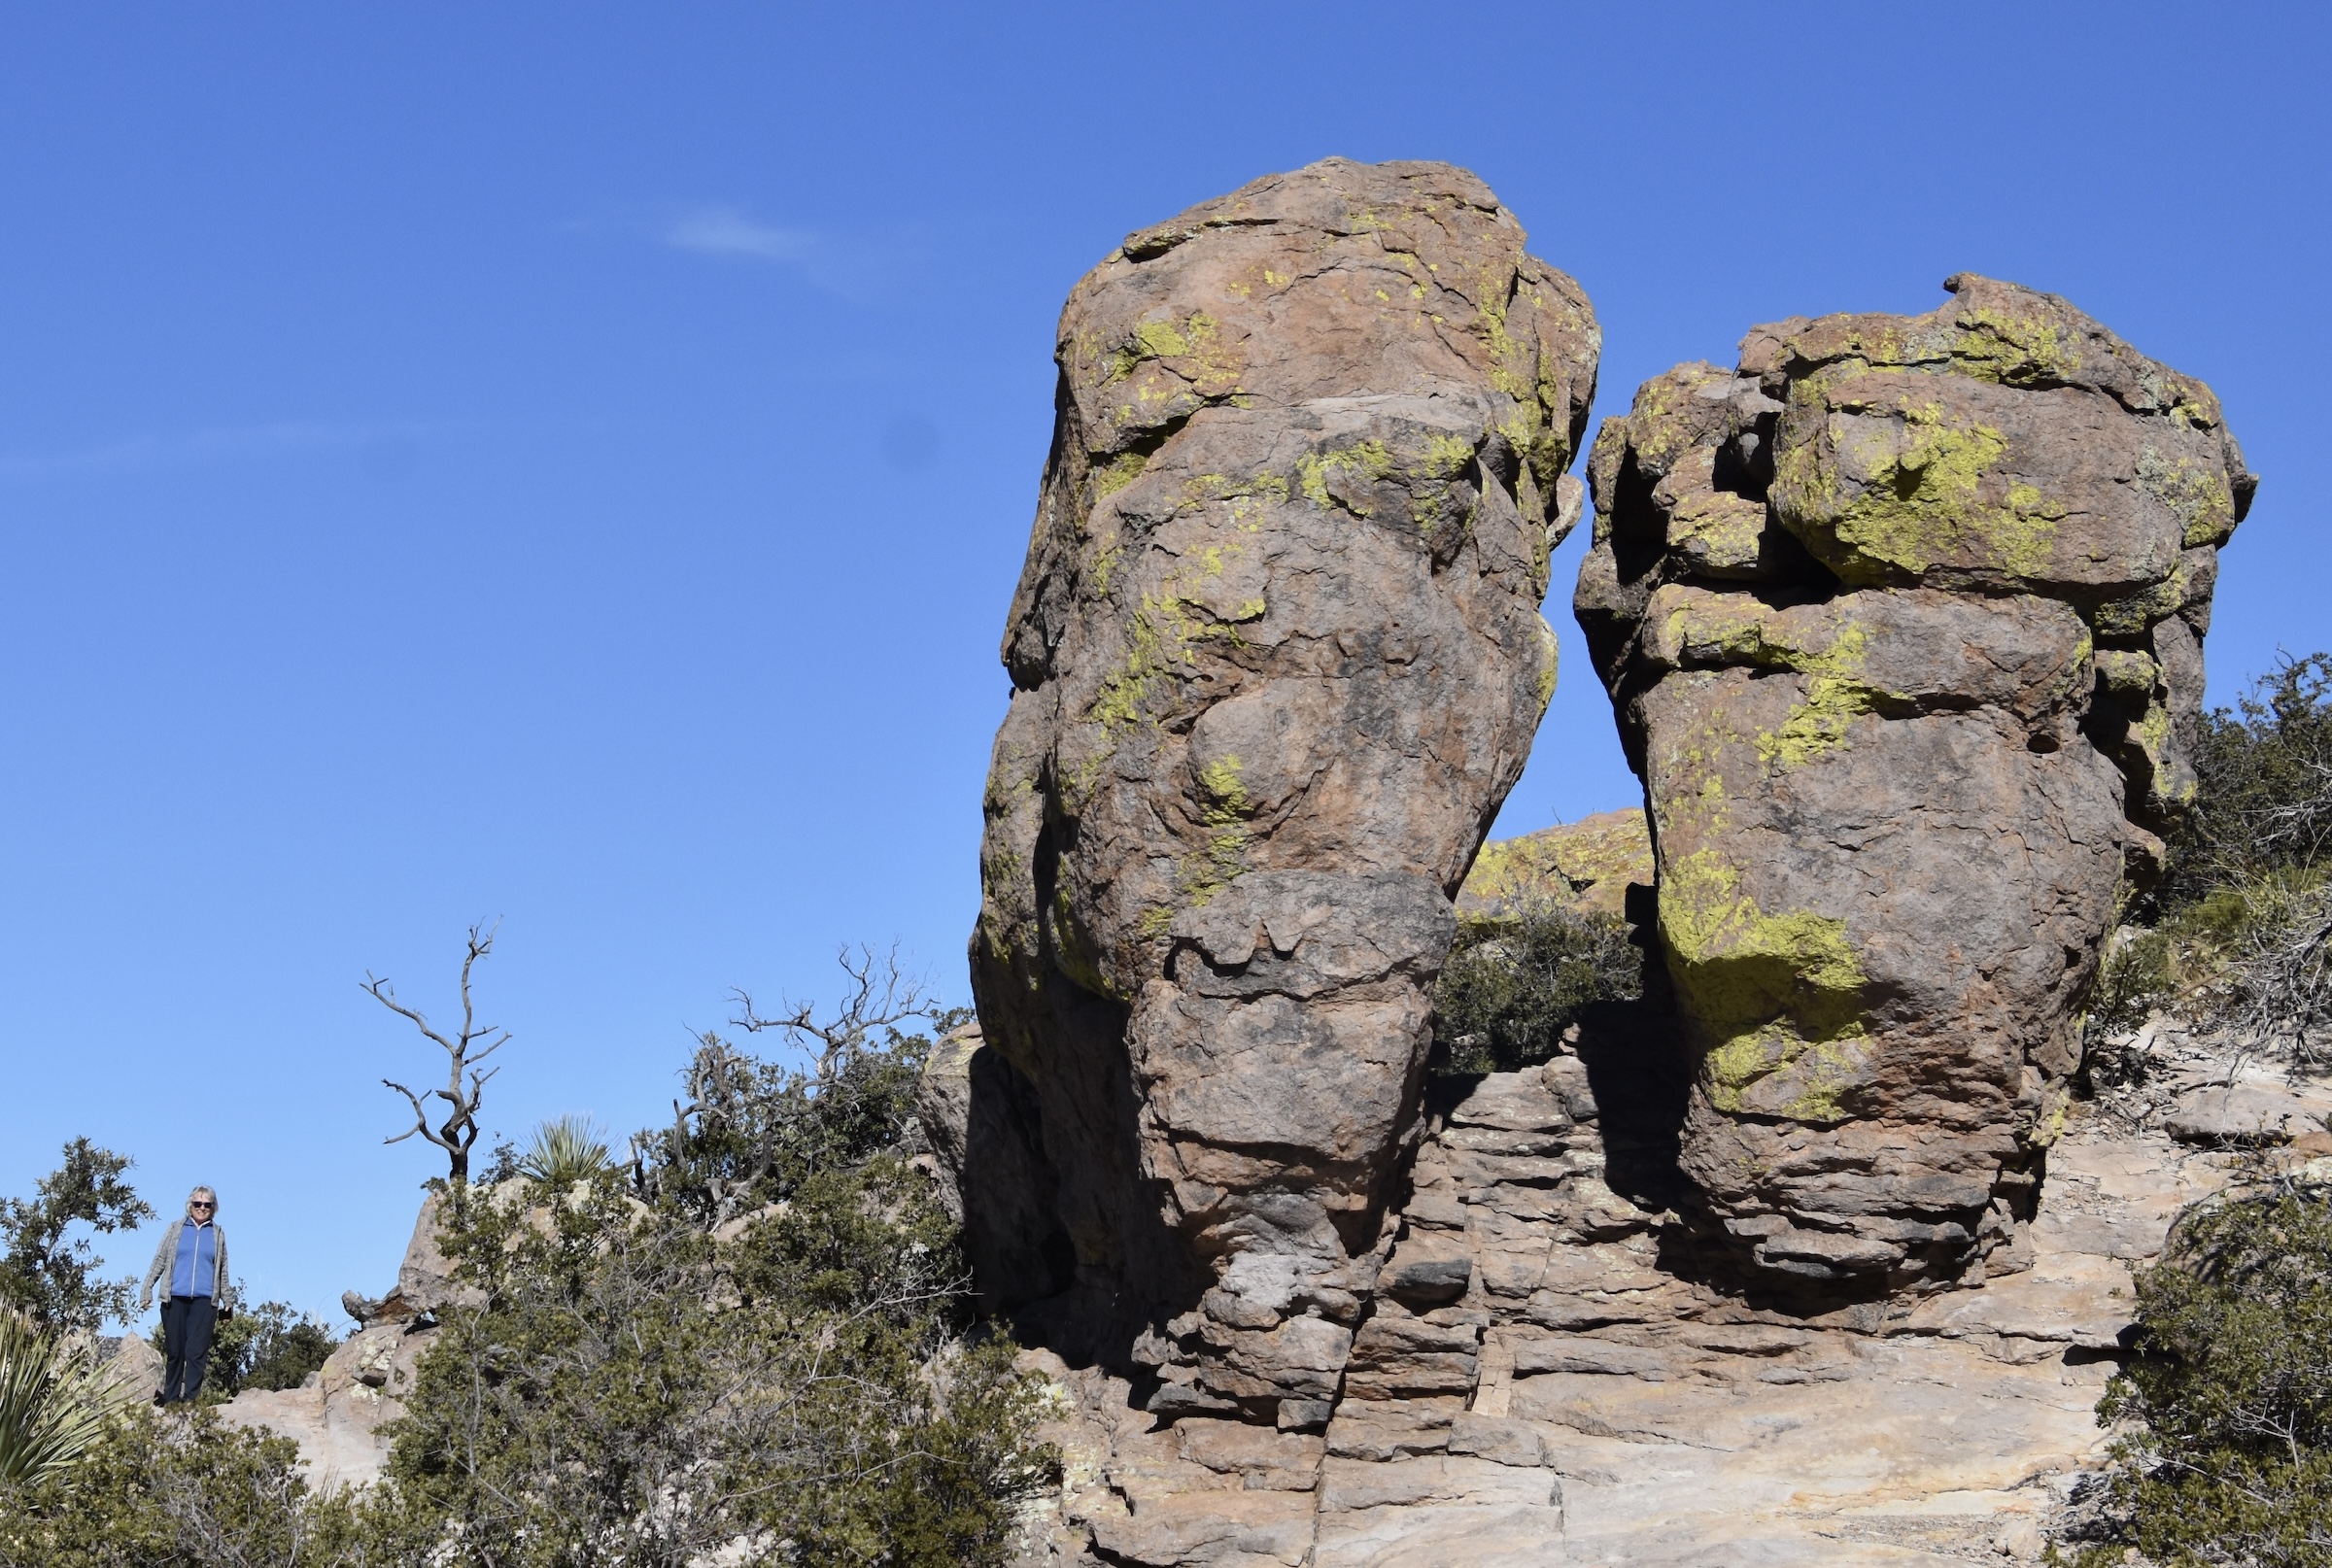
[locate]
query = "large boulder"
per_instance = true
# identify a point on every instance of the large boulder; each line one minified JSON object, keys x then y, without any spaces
{"x":338,"y":1415}
{"x":1276,"y":659}
{"x":426,"y":1281}
{"x":132,"y":1367}
{"x":1902,"y":622}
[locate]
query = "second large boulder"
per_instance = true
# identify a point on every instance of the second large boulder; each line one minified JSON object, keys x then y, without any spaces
{"x":1902,"y":622}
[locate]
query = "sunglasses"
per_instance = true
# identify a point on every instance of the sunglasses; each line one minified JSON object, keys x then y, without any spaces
{"x":202,"y":1205}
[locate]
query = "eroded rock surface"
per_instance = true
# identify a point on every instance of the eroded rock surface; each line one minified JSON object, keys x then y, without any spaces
{"x":1277,"y":659}
{"x":1902,"y":620}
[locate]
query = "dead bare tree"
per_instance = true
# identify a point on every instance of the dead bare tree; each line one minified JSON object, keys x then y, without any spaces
{"x":470,"y":1046}
{"x":745,"y":1117}
{"x":880,"y":996}
{"x":2283,"y":976}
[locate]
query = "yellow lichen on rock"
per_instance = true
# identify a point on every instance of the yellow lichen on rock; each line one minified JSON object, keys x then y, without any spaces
{"x":1775,"y":994}
{"x":1899,"y":495}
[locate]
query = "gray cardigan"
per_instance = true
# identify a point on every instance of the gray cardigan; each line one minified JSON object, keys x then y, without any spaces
{"x":166,"y":1257}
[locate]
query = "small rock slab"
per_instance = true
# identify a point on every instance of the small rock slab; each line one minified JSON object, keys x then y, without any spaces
{"x":2244,"y":1113}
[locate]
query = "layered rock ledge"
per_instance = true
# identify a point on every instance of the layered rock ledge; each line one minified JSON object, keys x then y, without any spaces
{"x":1537,"y":1386}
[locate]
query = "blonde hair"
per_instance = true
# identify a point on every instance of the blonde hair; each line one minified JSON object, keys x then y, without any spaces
{"x":211,"y":1193}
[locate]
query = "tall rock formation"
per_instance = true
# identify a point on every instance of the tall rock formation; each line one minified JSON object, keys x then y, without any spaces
{"x":1276,"y":659}
{"x":1902,"y":621}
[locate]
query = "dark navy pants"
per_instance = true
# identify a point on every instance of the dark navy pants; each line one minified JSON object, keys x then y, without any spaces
{"x":187,"y":1324}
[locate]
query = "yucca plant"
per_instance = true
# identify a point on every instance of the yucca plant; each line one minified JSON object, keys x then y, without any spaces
{"x":54,"y":1402}
{"x":566,"y":1150}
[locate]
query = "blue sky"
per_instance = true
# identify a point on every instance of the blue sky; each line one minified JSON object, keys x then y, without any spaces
{"x":570,"y":463}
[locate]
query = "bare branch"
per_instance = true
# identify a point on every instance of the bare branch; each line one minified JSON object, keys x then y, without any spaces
{"x":386,"y":993}
{"x":421,"y":1120}
{"x":879,"y":995}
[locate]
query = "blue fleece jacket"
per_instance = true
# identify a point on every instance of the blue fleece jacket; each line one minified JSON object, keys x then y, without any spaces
{"x":195,"y":1271}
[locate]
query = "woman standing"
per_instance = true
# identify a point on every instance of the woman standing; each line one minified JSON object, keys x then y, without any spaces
{"x":191,"y":1265}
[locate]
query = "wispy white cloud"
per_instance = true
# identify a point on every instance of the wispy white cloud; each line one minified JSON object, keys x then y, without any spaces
{"x":859,"y":267}
{"x":202,"y":445}
{"x":727,"y":231}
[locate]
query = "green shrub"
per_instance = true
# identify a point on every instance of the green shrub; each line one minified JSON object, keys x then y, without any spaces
{"x":2136,"y":976}
{"x":2263,"y":773}
{"x":565,"y":1150}
{"x":178,"y":1491}
{"x":753,"y":1131}
{"x":2282,"y":976}
{"x":2188,"y":965}
{"x":2231,"y":1460}
{"x":643,"y":1374}
{"x":271,"y":1346}
{"x":1512,"y":986}
{"x":51,"y":1275}
{"x":2239,"y":931}
{"x":2252,"y":956}
{"x":632,"y":1379}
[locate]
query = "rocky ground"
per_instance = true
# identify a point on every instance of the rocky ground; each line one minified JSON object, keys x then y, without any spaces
{"x":1543,"y":1382}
